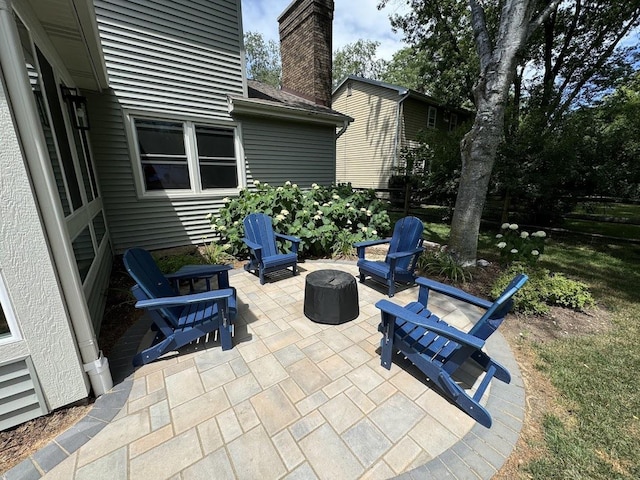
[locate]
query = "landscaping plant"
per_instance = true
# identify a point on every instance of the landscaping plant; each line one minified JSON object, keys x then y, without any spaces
{"x":326,"y":219}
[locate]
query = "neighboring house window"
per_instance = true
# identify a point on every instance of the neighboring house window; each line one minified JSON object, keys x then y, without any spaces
{"x":8,"y":326}
{"x":185,"y":157}
{"x":453,"y":122}
{"x":431,"y":117}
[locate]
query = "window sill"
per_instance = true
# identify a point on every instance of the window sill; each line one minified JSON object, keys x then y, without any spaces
{"x":186,"y":194}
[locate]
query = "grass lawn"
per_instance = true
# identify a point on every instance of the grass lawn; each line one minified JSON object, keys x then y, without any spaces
{"x":598,"y":376}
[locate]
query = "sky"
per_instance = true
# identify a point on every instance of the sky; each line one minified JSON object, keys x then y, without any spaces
{"x":352,"y":20}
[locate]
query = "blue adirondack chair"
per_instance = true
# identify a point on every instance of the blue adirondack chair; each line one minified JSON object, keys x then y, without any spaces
{"x":264,"y":254}
{"x":180,"y":319}
{"x":438,"y":349}
{"x":405,"y":246}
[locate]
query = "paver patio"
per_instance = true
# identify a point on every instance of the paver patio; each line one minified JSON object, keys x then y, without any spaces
{"x":293,"y":399}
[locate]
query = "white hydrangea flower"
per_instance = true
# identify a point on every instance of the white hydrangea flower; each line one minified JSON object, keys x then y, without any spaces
{"x":364,"y":229}
{"x":374,"y":232}
{"x":347,"y":204}
{"x":319,"y":212}
{"x":513,"y":226}
{"x":349,"y":222}
{"x":284,"y":212}
{"x":226,"y":199}
{"x":499,"y":235}
{"x":256,"y":182}
{"x":266,"y":184}
{"x":295,"y":185}
{"x":222,"y":228}
{"x":305,"y":211}
{"x":287,"y":183}
{"x":535,"y":253}
{"x":362,"y":209}
{"x":335,"y":196}
{"x":214,"y":227}
{"x":504,"y":226}
{"x":317,"y":217}
{"x":236,"y":222}
{"x":514,"y":250}
{"x":524,"y":235}
{"x":501,"y":245}
{"x":279,"y":189}
{"x":539,"y":233}
{"x":352,"y":209}
{"x":369,"y":213}
{"x":208,"y":216}
{"x":315,"y":204}
{"x":325,"y":204}
{"x":280,"y":217}
{"x":314,"y":185}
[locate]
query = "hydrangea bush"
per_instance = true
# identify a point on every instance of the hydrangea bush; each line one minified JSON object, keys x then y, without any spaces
{"x":321,"y":216}
{"x":519,"y":246}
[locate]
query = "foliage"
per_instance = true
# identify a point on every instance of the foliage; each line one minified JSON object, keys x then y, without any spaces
{"x":519,"y":246}
{"x":543,"y":289}
{"x":316,"y":216}
{"x":358,"y":59}
{"x":263,"y":59}
{"x":216,"y":253}
{"x":343,"y":246}
{"x":443,"y":264}
{"x":173,"y":263}
{"x":565,"y":54}
{"x":409,"y":68}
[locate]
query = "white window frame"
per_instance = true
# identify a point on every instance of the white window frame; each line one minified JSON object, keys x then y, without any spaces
{"x":453,"y":121}
{"x":431,"y":119}
{"x":193,"y":165}
{"x":5,"y":303}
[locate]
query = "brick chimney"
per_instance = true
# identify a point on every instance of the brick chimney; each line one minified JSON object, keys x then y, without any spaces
{"x":305,"y":48}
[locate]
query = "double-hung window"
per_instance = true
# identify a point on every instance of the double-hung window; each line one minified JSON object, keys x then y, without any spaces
{"x":431,"y":117}
{"x":184,"y":157}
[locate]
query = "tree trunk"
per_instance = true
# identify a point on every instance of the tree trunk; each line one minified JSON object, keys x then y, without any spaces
{"x":479,"y":148}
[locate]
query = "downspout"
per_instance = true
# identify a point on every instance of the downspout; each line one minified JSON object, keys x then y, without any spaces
{"x":396,"y":142}
{"x":36,"y":153}
{"x":345,"y":124}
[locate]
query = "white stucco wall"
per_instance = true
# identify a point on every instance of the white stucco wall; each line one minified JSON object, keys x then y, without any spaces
{"x":30,"y":278}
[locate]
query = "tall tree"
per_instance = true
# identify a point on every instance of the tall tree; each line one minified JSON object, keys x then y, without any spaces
{"x":263,"y":59}
{"x":358,"y":58}
{"x":571,"y":57}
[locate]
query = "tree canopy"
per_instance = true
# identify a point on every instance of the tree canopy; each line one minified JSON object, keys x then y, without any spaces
{"x":263,"y":59}
{"x":358,"y":58}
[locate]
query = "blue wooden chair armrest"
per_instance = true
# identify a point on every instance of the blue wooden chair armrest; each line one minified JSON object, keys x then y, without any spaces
{"x":155,"y":303}
{"x":450,"y":292}
{"x":291,"y":238}
{"x":443,"y":330}
{"x":195,"y":271}
{"x":252,"y":245}
{"x":370,"y":243}
{"x":405,"y":254}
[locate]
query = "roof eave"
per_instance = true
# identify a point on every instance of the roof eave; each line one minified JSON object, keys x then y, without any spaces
{"x":247,"y":106}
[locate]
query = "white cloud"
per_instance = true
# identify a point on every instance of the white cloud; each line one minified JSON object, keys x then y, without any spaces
{"x":351,"y":21}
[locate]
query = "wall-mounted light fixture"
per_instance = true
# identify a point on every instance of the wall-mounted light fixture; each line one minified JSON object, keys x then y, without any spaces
{"x":78,"y":110}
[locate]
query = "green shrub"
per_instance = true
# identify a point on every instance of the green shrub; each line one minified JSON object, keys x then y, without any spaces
{"x":173,"y":263}
{"x":216,"y":253}
{"x":316,"y":215}
{"x":443,"y":264}
{"x":544,"y":289}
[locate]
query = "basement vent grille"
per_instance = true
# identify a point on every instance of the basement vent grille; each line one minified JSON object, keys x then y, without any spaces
{"x":20,"y":395}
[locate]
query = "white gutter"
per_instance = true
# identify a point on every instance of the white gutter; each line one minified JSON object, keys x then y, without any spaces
{"x":36,"y":154}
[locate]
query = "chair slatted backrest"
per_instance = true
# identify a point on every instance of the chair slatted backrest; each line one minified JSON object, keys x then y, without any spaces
{"x":143,"y":269}
{"x":494,"y":316}
{"x":407,"y":235}
{"x":259,"y":229}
